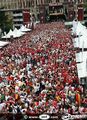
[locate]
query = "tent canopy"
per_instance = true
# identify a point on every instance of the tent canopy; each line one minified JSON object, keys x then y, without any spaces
{"x":9,"y":34}
{"x":78,"y":28}
{"x":18,"y":33}
{"x":82,"y":66}
{"x":3,"y":43}
{"x":15,"y":33}
{"x":24,"y":29}
{"x":80,"y":42}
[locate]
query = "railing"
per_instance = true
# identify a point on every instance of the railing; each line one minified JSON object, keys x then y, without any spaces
{"x":17,"y":14}
{"x":55,"y":4}
{"x":18,"y":19}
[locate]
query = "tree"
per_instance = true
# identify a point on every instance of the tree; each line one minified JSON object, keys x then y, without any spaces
{"x":85,"y":13}
{"x":5,"y":21}
{"x":85,"y":6}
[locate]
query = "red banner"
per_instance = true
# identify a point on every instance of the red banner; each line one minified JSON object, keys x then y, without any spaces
{"x":80,"y":14}
{"x":26,"y":17}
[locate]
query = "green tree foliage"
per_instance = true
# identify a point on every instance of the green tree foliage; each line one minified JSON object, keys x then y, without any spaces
{"x":5,"y":21}
{"x":85,"y":5}
{"x":85,"y":13}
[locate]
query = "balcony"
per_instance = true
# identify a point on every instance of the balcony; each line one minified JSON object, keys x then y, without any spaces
{"x":17,"y":14}
{"x":56,"y":4}
{"x":56,"y":14}
{"x":15,"y":20}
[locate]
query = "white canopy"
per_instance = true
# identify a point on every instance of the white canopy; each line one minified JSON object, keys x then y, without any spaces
{"x":9,"y":34}
{"x":80,"y":42}
{"x":18,"y":33}
{"x":80,"y":28}
{"x":79,"y":57}
{"x":24,"y":29}
{"x":75,"y":23}
{"x":82,"y":66}
{"x":15,"y":34}
{"x":3,"y":43}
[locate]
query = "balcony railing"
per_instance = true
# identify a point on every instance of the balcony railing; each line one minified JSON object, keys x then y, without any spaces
{"x":56,"y":4}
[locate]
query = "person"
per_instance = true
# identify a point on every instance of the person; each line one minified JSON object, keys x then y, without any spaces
{"x":39,"y":72}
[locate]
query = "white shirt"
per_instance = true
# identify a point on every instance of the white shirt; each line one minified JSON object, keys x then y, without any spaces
{"x":16,"y":88}
{"x":2,"y":105}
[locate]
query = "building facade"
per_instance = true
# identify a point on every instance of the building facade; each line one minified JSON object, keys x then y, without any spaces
{"x":44,"y":10}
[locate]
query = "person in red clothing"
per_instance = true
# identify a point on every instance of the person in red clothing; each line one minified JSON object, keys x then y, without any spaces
{"x":78,"y":98}
{"x":43,"y":62}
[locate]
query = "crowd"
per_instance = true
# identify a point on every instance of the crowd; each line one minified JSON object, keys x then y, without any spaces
{"x":38,"y":73}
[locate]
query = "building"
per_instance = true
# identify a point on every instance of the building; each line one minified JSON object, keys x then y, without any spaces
{"x":21,"y":16}
{"x":45,"y":10}
{"x":18,"y":10}
{"x":61,"y":9}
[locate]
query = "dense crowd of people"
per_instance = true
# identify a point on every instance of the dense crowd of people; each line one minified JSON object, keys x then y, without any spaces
{"x":38,"y":73}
